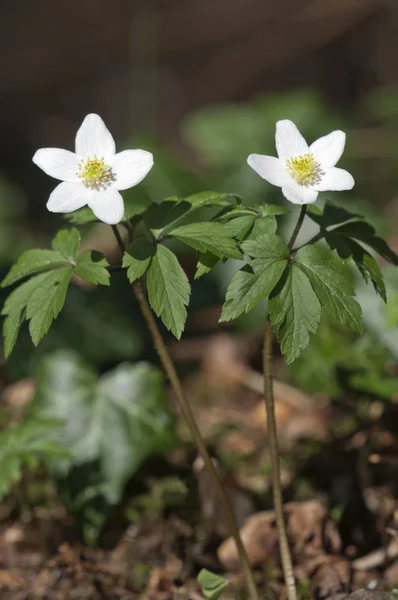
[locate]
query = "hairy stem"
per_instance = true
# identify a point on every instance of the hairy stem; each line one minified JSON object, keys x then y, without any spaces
{"x":286,"y":558}
{"x":186,"y":411}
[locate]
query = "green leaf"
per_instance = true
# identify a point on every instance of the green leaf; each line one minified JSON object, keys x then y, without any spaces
{"x":46,"y":302}
{"x":295,"y":311}
{"x":269,"y":247}
{"x":333,"y":290}
{"x":81,"y":217}
{"x":331,"y":215}
{"x":168,"y":290}
{"x":366,"y":264}
{"x":211,"y":584}
{"x":116,"y":421}
{"x":92,"y":267}
{"x":271,"y":210}
{"x":254,"y":282}
{"x":15,"y":310}
{"x":206,"y":262}
{"x":262,"y":226}
{"x":212,"y":199}
{"x":364,"y":232}
{"x":67,"y":242}
{"x":137,"y":258}
{"x":208,"y":237}
{"x":31,"y":262}
{"x":240,"y":226}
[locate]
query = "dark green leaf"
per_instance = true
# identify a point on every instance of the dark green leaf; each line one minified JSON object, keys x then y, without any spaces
{"x":67,"y":242}
{"x":117,"y":421}
{"x":332,"y":215}
{"x":137,"y":258}
{"x":31,"y":262}
{"x":46,"y":302}
{"x":208,"y":237}
{"x":365,"y":233}
{"x":295,"y":311}
{"x":211,"y":584}
{"x":333,"y":290}
{"x":168,"y":290}
{"x":92,"y":267}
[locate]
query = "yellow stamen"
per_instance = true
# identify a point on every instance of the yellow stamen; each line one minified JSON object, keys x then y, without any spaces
{"x":304,"y":169}
{"x":95,"y":173}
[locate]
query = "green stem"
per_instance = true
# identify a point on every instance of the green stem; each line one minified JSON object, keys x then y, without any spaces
{"x":186,"y":411}
{"x":286,"y":558}
{"x":298,"y":226}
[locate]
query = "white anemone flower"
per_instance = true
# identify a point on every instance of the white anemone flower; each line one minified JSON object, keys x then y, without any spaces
{"x":94,"y":173}
{"x":301,"y":170}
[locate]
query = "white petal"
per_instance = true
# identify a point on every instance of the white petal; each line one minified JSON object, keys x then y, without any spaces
{"x":289,"y":141}
{"x":57,"y":163}
{"x":94,"y":138}
{"x":130,"y":167}
{"x":269,"y":168}
{"x":67,"y":197}
{"x":328,"y":149}
{"x":335,"y":180}
{"x":299,"y":194}
{"x":107,"y":205}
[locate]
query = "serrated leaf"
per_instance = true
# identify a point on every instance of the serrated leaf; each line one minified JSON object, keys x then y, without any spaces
{"x":211,"y":584}
{"x":67,"y":242}
{"x":168,"y":290}
{"x":31,"y":262}
{"x":331,"y":215}
{"x":346,"y":248}
{"x":267,"y":246}
{"x":47,"y":301}
{"x":240,"y":226}
{"x":333,"y":290}
{"x":365,"y":233}
{"x":92,"y":267}
{"x":208,"y":237}
{"x":271,"y":210}
{"x":15,"y":310}
{"x":117,"y":420}
{"x":255,"y":282}
{"x":137,"y":258}
{"x":262,"y":226}
{"x":295,"y":311}
{"x":212,"y":199}
{"x":206,"y":262}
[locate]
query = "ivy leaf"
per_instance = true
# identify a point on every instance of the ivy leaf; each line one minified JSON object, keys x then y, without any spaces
{"x":333,"y":290}
{"x":137,"y":258}
{"x":92,"y":267}
{"x":66,"y":243}
{"x":116,"y":420}
{"x":34,"y":261}
{"x":168,"y":290}
{"x":211,"y":584}
{"x":295,"y":311}
{"x":208,"y":237}
{"x":255,"y":282}
{"x":46,"y":302}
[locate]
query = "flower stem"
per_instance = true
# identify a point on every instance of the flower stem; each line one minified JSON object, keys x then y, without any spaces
{"x":186,"y":411}
{"x":298,"y":226}
{"x":287,"y":564}
{"x":286,"y":558}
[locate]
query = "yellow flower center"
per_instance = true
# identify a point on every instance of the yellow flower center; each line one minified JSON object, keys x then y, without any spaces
{"x":95,"y":173}
{"x":304,"y":169}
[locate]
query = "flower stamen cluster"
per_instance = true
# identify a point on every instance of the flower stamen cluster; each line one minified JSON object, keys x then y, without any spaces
{"x":94,"y":173}
{"x":305,"y":169}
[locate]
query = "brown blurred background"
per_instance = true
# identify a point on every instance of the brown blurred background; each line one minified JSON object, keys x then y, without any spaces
{"x":149,"y":63}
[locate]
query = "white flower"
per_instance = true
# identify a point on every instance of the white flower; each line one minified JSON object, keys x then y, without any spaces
{"x":301,"y":170}
{"x":94,"y":173}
